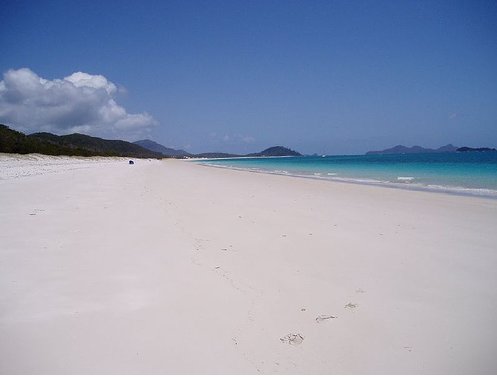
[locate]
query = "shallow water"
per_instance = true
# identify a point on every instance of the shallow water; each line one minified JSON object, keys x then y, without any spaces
{"x":473,"y":173}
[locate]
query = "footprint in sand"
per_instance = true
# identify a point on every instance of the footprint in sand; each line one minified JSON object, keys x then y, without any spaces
{"x":293,"y":339}
{"x":321,"y":318}
{"x":350,"y":306}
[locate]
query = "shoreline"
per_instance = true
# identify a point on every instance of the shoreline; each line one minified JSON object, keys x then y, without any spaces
{"x":164,"y":267}
{"x":456,"y":191}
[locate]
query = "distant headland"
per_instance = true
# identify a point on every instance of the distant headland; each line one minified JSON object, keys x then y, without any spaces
{"x":401,"y":149}
{"x":76,"y":144}
{"x":482,"y":149}
{"x":277,"y":151}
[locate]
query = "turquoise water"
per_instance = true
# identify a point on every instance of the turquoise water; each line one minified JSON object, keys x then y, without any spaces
{"x":473,"y":173}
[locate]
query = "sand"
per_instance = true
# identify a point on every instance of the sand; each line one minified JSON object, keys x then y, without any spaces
{"x":171,"y":267}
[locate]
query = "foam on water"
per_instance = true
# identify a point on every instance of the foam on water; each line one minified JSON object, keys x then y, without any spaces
{"x":469,"y":173}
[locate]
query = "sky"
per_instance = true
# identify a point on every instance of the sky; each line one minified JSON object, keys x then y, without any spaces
{"x":326,"y":77}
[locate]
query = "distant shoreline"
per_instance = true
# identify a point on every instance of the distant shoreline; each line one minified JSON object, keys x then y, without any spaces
{"x":488,"y":194}
{"x":395,"y":171}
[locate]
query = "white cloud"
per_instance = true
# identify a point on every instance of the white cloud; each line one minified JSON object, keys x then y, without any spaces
{"x":81,"y":80}
{"x":79,"y":102}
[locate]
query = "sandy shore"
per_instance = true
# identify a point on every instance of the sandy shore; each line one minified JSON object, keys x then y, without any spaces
{"x":171,"y":267}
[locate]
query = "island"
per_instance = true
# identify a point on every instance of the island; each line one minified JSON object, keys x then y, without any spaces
{"x":401,"y":149}
{"x":481,"y":149}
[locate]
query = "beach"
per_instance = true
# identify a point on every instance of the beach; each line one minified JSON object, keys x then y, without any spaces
{"x":169,"y":267}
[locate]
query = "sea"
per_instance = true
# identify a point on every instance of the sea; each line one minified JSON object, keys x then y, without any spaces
{"x":463,"y":173}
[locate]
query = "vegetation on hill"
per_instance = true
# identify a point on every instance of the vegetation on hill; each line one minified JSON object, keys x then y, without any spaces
{"x":277,"y":151}
{"x":69,"y":145}
{"x":12,"y":141}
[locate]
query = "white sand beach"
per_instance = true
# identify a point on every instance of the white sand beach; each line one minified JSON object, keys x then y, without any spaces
{"x":171,"y":267}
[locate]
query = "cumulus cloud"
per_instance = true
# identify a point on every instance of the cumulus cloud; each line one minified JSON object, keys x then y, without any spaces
{"x":77,"y":103}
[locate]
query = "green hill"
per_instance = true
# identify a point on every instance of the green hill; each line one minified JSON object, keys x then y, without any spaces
{"x":276,"y":152}
{"x":69,"y":145}
{"x":12,"y":141}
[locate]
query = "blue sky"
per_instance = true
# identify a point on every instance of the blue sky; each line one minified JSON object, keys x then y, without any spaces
{"x":335,"y":77}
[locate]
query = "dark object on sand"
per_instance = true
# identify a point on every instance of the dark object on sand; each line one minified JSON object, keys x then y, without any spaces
{"x":131,"y":162}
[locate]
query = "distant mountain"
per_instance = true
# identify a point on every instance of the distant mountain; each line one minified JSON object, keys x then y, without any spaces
{"x":482,"y":149}
{"x":83,"y":145}
{"x":69,"y":145}
{"x":269,"y":152}
{"x":401,"y":149}
{"x":216,"y":155}
{"x":275,"y":152}
{"x":446,"y":148}
{"x":159,"y":148}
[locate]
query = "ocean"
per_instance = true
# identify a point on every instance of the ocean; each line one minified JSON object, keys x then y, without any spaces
{"x":468,"y":173}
